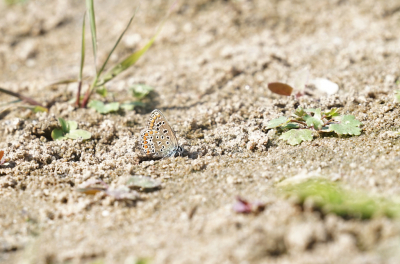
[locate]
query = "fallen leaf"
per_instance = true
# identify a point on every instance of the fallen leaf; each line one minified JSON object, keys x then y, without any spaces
{"x":280,"y":88}
{"x":91,"y":187}
{"x":143,"y":183}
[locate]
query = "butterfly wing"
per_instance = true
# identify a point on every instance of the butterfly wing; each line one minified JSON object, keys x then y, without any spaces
{"x":158,"y":139}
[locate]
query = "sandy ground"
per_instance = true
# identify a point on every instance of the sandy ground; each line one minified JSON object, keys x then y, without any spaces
{"x":210,"y":68}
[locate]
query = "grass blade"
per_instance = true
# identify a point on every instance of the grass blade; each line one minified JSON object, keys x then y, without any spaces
{"x":68,"y":81}
{"x":83,"y":48}
{"x":20,"y":96}
{"x":90,"y":9}
{"x":12,"y":102}
{"x":115,"y":45}
{"x":130,"y":60}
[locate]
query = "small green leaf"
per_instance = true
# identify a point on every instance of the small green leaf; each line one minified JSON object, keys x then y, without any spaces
{"x":291,"y":126}
{"x":71,"y":125}
{"x":332,"y":113}
{"x":317,"y":113}
{"x":112,"y":107}
{"x":102,"y":90}
{"x":63,"y":124}
{"x":310,"y":110}
{"x":277,"y":122}
{"x":131,"y":105}
{"x":39,"y":109}
{"x":314,"y":121}
{"x":348,"y":125}
{"x":104,"y":108}
{"x":96,"y":105}
{"x":294,"y":137}
{"x":299,"y":113}
{"x":57,"y":134}
{"x":140,"y":90}
{"x":78,"y":133}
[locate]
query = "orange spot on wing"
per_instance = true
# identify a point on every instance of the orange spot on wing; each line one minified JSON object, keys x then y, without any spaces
{"x":151,"y":132}
{"x":145,"y":146}
{"x":145,"y":142}
{"x":1,"y":154}
{"x":146,"y":135}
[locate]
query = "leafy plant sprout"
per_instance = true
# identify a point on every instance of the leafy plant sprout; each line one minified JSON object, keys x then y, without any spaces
{"x":69,"y":130}
{"x":300,"y":126}
{"x":101,"y":77}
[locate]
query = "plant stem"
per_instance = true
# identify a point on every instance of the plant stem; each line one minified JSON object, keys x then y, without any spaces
{"x":78,"y":95}
{"x":20,"y":96}
{"x":299,"y":122}
{"x":89,"y":92}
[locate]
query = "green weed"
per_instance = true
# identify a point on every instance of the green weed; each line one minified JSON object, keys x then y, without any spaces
{"x":329,"y":197}
{"x":69,"y":130}
{"x":300,"y":126}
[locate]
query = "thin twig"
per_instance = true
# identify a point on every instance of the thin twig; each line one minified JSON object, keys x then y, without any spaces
{"x":20,"y":96}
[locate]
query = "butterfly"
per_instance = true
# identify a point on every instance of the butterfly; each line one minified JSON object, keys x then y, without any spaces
{"x":158,"y":139}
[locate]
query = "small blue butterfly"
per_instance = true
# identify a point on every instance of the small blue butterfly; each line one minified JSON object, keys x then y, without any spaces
{"x":158,"y":139}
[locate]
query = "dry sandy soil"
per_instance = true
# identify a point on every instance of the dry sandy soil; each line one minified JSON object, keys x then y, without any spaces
{"x":210,"y":68}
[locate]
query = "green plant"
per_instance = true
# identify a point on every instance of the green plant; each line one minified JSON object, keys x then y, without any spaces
{"x":69,"y":130}
{"x":139,"y":91}
{"x":103,"y":108}
{"x":102,"y":78}
{"x":329,"y":197}
{"x":303,"y":122}
{"x":13,"y":2}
